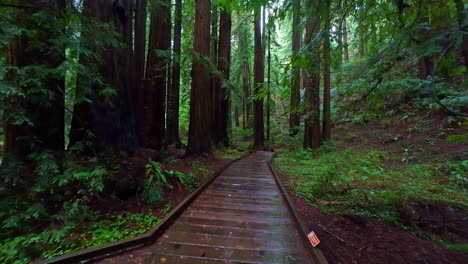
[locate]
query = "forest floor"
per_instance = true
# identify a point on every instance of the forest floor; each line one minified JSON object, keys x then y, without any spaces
{"x":133,"y":174}
{"x":120,"y":211}
{"x":385,"y":192}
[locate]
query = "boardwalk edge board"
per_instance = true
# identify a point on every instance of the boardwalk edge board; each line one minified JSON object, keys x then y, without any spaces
{"x":142,"y":240}
{"x":315,"y":252}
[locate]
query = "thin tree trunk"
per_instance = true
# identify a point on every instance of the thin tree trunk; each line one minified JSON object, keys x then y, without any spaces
{"x":156,"y":70}
{"x":463,"y":24}
{"x":345,"y":41}
{"x":425,"y":62}
{"x":259,"y":76}
{"x":174,"y":94}
{"x":220,"y":113}
{"x":199,"y":141}
{"x":326,"y":76}
{"x":269,"y":89}
{"x":340,"y":42}
{"x":140,"y":50}
{"x":361,"y":29}
{"x":294,"y":119}
{"x":236,"y":115}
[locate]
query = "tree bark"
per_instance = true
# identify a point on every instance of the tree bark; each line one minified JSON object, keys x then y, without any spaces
{"x":259,"y":76}
{"x":361,"y":29}
{"x":174,"y":91}
{"x":112,"y":124}
{"x":156,"y":73}
{"x":294,"y":117}
{"x":214,"y":57}
{"x":345,"y":41}
{"x":463,"y":24}
{"x":46,"y":113}
{"x":326,"y":76}
{"x":340,"y":42}
{"x":312,"y":86}
{"x":246,"y":84}
{"x":268,"y":121}
{"x":236,"y":115}
{"x":220,"y":113}
{"x":199,"y":140}
{"x":139,"y":65}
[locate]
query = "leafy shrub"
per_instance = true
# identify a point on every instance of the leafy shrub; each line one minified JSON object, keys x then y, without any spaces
{"x":158,"y":180}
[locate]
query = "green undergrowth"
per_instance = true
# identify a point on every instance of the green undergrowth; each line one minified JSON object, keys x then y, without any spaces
{"x":72,"y":237}
{"x":361,"y":183}
{"x":231,"y":154}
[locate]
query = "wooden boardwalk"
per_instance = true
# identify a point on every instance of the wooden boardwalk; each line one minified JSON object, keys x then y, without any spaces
{"x":239,"y":218}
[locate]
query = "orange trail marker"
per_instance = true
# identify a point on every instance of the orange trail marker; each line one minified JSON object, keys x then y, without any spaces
{"x":313,"y":238}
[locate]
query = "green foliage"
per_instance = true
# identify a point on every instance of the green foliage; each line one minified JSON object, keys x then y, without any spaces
{"x":158,"y":180}
{"x":460,"y":138}
{"x":71,"y":237}
{"x":359,"y":182}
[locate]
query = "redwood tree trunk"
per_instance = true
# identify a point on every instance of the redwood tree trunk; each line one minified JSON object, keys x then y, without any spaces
{"x":312,"y":86}
{"x":139,"y":65}
{"x":156,"y":73}
{"x":259,"y":76}
{"x":199,"y":140}
{"x":46,"y":113}
{"x":326,"y":76}
{"x":220,"y":113}
{"x":174,"y":91}
{"x":113,"y":127}
{"x":294,"y":118}
{"x":214,"y":59}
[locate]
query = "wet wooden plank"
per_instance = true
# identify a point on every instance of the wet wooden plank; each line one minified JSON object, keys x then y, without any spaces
{"x":222,"y":252}
{"x":235,"y":231}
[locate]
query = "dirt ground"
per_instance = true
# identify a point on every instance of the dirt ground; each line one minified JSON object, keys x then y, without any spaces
{"x":354,"y":239}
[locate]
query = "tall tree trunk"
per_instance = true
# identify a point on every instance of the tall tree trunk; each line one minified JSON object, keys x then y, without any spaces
{"x":128,"y":139}
{"x":213,"y":55}
{"x":174,"y":91}
{"x":312,"y":86}
{"x":340,"y":42}
{"x":269,"y":88}
{"x":220,"y":113}
{"x":345,"y":41}
{"x":236,"y":116}
{"x":361,"y":29}
{"x":246,"y":88}
{"x":294,"y":118}
{"x":139,"y":65}
{"x":46,"y":113}
{"x":326,"y":75}
{"x":113,"y":127}
{"x":425,"y":62}
{"x":199,"y":140}
{"x":156,"y":72}
{"x":463,"y":24}
{"x":259,"y":76}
